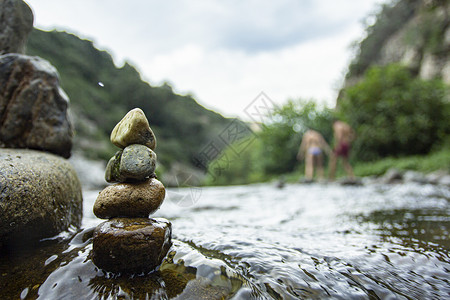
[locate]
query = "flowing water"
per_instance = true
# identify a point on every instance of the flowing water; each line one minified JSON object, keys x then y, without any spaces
{"x":260,"y":242}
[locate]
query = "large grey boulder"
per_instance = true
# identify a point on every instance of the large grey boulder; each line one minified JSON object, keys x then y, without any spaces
{"x":33,"y":107}
{"x":16,"y":19}
{"x":40,"y":196}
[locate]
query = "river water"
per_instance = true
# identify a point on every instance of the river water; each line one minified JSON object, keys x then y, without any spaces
{"x":311,"y":241}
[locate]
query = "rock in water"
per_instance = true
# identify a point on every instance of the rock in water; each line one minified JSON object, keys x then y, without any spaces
{"x":133,"y":129}
{"x":131,"y":245}
{"x":33,"y":107}
{"x":130,"y":200}
{"x":134,"y":163}
{"x":40,"y":196}
{"x":17,"y":21}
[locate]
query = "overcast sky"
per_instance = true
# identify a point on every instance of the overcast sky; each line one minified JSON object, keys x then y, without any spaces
{"x":224,"y":53}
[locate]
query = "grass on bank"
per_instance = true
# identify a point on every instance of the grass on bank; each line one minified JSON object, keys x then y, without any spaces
{"x":438,"y":160}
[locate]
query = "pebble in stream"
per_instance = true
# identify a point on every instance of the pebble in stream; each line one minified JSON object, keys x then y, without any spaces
{"x":130,"y":241}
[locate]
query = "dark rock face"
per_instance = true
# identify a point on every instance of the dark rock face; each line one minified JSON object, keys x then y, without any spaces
{"x":131,"y":245}
{"x":40,"y":196}
{"x":33,"y":107}
{"x":130,"y":200}
{"x":16,"y":20}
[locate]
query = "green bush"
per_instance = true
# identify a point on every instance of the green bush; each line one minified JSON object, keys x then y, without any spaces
{"x":395,"y":114}
{"x":242,"y":167}
{"x":274,"y":148}
{"x":282,"y":137}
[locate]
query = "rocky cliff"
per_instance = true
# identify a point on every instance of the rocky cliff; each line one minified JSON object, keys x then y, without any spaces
{"x":415,"y":33}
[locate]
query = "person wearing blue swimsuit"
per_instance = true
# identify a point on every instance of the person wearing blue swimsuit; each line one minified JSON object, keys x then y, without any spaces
{"x":311,"y":149}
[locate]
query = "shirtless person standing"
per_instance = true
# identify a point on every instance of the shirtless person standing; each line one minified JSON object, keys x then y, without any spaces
{"x":312,"y":147}
{"x":343,"y":137}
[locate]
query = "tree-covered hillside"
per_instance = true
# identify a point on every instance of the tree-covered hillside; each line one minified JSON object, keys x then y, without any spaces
{"x":101,"y":94}
{"x":414,"y":33}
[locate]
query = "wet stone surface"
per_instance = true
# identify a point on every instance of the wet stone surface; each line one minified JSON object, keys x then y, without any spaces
{"x":131,"y":245}
{"x":40,"y":196}
{"x":130,"y":200}
{"x":62,"y":268}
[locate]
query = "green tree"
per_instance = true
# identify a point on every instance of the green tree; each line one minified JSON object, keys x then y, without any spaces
{"x":395,"y":114}
{"x":243,"y":167}
{"x":282,"y":136}
{"x":274,"y":150}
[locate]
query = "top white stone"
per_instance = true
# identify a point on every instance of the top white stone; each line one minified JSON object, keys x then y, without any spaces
{"x":133,"y":129}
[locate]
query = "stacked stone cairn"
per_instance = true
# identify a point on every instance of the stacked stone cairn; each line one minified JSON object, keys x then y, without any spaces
{"x":130,"y":242}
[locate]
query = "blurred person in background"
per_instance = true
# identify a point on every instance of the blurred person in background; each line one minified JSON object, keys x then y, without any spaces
{"x":311,"y":149}
{"x":343,"y":138}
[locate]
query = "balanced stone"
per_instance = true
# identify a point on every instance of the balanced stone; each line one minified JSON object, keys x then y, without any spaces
{"x":133,"y":129}
{"x":130,"y":199}
{"x":129,"y":242}
{"x":131,"y":245}
{"x":133,"y":163}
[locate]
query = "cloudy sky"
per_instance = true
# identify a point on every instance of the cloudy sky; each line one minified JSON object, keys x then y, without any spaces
{"x":224,"y":53}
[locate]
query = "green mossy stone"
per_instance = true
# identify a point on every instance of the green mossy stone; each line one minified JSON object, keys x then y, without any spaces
{"x":110,"y":166}
{"x":138,"y":162}
{"x":132,"y":164}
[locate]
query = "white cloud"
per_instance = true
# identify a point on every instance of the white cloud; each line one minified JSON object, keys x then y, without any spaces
{"x":223,"y":52}
{"x":236,"y":77}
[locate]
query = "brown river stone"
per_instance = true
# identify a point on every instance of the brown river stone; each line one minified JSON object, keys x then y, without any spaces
{"x":131,"y":245}
{"x":130,"y":199}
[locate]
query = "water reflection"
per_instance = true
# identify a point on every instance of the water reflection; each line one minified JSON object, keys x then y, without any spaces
{"x":426,"y":227}
{"x":71,"y":274}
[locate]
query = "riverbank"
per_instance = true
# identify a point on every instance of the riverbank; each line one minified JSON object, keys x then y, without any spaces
{"x":92,"y":177}
{"x":434,"y":162}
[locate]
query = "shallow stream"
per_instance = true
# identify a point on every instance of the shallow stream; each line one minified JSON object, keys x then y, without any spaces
{"x":260,"y":242}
